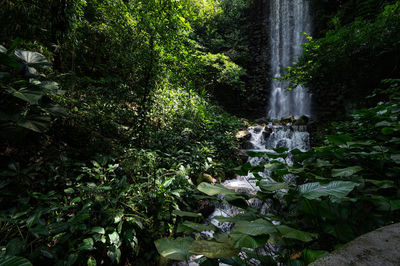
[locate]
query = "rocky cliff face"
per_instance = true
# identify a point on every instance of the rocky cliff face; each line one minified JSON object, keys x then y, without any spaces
{"x":258,"y":67}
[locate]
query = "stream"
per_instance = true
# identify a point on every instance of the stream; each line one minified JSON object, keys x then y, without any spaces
{"x":288,"y":20}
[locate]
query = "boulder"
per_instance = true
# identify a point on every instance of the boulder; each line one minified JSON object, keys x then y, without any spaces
{"x":266,"y":132}
{"x":258,"y":129}
{"x":287,"y":119}
{"x":379,"y":247}
{"x":243,"y":135}
{"x":261,"y":120}
{"x":244,"y":138}
{"x":206,"y":178}
{"x":241,"y":154}
{"x":205,"y":207}
{"x":302,"y":121}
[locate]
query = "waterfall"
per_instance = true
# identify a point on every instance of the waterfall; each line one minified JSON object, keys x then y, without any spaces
{"x":288,"y":20}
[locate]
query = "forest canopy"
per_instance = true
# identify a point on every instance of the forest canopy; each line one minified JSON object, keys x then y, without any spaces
{"x":121,"y":119}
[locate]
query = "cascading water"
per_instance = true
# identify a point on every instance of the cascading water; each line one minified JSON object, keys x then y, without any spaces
{"x":263,"y":139}
{"x":288,"y":20}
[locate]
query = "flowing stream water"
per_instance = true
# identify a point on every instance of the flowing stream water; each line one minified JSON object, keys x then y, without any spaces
{"x":288,"y":19}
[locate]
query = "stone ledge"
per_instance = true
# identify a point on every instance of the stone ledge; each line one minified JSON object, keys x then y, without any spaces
{"x":379,"y":247}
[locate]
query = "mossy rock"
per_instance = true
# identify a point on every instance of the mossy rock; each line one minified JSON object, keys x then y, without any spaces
{"x":303,"y":120}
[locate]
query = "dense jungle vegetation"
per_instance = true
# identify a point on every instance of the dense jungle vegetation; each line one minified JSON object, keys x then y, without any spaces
{"x":114,"y":133}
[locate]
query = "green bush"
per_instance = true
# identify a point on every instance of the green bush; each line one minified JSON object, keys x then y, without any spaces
{"x":326,"y":198}
{"x":348,"y":63}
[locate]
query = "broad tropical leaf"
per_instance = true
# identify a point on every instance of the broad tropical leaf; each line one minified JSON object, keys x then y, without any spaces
{"x":30,"y":95}
{"x":254,"y":228}
{"x":15,"y":261}
{"x":288,"y":232}
{"x":337,"y":189}
{"x":175,"y":249}
{"x":212,"y":190}
{"x":37,"y":123}
{"x":186,"y":214}
{"x":268,"y":186}
{"x":346,"y":172}
{"x":194,"y":227}
{"x":31,"y":58}
{"x":212,"y":249}
{"x":338,"y":139}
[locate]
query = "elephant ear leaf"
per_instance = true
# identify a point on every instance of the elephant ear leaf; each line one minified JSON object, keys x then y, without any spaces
{"x":3,"y":49}
{"x":32,"y":58}
{"x":15,"y":261}
{"x":336,"y":189}
{"x":37,"y":123}
{"x":212,"y":249}
{"x":175,"y":249}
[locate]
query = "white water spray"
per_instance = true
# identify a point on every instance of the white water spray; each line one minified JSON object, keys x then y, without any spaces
{"x":288,"y":20}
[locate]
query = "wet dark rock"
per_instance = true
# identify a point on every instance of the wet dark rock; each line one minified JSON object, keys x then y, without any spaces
{"x":205,"y":207}
{"x":241,"y":154}
{"x":258,"y":129}
{"x":379,"y":247}
{"x":206,"y":178}
{"x":303,"y":120}
{"x":287,"y":119}
{"x":244,"y":138}
{"x":267,"y":132}
{"x":261,"y":120}
{"x":281,"y":143}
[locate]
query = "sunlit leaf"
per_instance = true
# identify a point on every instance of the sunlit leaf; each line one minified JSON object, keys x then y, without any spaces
{"x":14,"y":261}
{"x":175,"y":249}
{"x":254,"y":228}
{"x":212,"y":249}
{"x":288,"y":232}
{"x":212,"y":190}
{"x":346,"y":172}
{"x":186,"y":214}
{"x":337,"y":189}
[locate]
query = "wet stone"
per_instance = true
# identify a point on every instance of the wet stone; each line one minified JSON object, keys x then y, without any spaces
{"x":379,"y":247}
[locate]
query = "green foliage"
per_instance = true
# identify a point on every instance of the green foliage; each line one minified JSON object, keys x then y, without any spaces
{"x":27,"y":97}
{"x":328,"y":196}
{"x":97,"y":181}
{"x":361,"y":53}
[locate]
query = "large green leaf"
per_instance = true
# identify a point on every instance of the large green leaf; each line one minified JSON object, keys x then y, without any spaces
{"x":15,"y":261}
{"x":246,"y":241}
{"x":37,"y":123}
{"x":310,"y":255}
{"x":237,"y":218}
{"x":31,"y":95}
{"x":15,"y":246}
{"x":114,"y":254}
{"x":190,"y":227}
{"x":91,"y":262}
{"x":186,"y":214}
{"x":32,"y":58}
{"x":346,"y":172}
{"x":212,"y":249}
{"x":212,"y":190}
{"x":268,"y":186}
{"x":395,"y":158}
{"x":288,"y":232}
{"x":337,"y":189}
{"x":338,"y":139}
{"x":87,"y":244}
{"x":98,"y":230}
{"x":254,"y":228}
{"x":3,"y":49}
{"x":175,"y":249}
